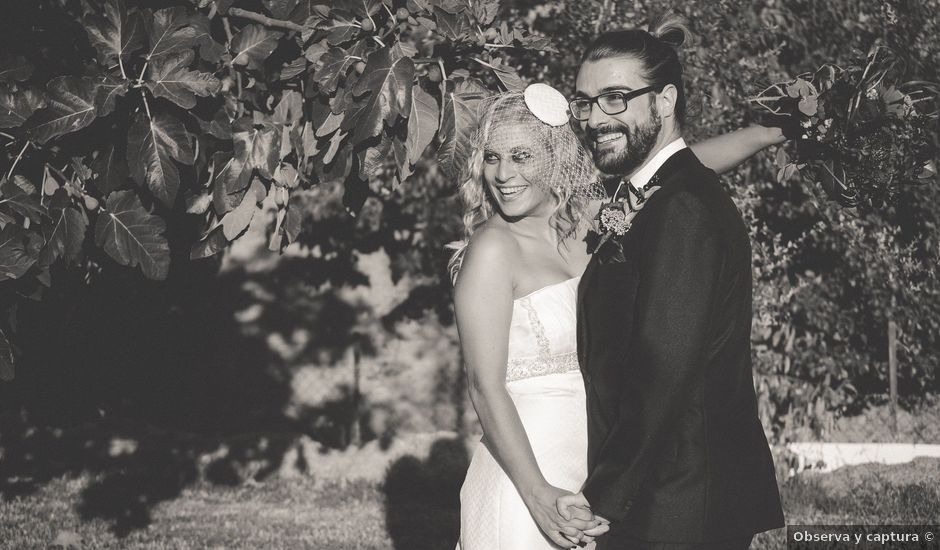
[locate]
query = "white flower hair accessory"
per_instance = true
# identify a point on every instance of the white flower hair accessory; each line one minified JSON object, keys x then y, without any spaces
{"x":547,"y":104}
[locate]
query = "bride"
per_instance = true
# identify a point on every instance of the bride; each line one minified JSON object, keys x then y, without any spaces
{"x":530,"y":194}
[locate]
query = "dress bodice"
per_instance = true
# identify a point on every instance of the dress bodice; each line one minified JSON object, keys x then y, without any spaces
{"x":546,"y":387}
{"x":543,"y":332}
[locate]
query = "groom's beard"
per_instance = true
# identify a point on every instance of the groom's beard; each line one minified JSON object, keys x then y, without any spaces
{"x":640,"y":141}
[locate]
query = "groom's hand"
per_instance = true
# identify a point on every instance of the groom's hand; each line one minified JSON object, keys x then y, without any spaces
{"x":571,"y":505}
{"x":562,"y":531}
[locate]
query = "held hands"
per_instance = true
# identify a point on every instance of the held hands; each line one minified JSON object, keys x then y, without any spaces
{"x":577,"y":524}
{"x":571,"y":505}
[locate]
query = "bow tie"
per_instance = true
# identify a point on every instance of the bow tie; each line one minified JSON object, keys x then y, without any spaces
{"x":640,"y":193}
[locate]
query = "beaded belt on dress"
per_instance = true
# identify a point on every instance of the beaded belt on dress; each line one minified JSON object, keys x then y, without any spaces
{"x":528,"y":367}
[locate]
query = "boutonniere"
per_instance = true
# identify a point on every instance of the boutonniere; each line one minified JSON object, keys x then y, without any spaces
{"x":616,"y":216}
{"x":612,"y":221}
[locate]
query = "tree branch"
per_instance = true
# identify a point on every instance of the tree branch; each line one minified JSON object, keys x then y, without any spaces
{"x":236,"y":76}
{"x":265,"y":20}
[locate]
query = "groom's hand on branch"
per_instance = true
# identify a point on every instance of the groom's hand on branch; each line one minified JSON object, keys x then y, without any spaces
{"x":571,"y":505}
{"x":563,"y":531}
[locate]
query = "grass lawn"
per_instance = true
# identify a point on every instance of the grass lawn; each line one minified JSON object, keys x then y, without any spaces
{"x":412,"y":509}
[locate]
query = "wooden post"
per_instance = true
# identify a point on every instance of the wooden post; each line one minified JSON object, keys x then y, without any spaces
{"x":355,"y":437}
{"x":893,"y":371}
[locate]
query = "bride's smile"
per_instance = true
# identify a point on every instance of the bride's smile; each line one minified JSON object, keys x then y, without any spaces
{"x":510,"y":192}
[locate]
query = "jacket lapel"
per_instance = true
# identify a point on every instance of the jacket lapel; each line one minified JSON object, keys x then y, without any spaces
{"x":665,"y":176}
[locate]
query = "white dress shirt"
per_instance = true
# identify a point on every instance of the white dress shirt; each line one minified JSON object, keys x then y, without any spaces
{"x":648,"y":170}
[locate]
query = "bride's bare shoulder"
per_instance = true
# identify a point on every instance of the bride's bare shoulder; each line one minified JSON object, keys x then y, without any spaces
{"x":489,"y":260}
{"x":492,"y":242}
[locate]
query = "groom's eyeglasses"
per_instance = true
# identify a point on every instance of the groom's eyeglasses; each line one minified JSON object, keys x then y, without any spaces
{"x":612,"y":103}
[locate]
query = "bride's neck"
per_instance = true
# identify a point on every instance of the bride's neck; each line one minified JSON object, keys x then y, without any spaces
{"x":535,"y":226}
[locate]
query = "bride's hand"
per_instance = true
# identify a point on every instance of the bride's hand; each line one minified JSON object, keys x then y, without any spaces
{"x":574,"y":504}
{"x":542,"y":506}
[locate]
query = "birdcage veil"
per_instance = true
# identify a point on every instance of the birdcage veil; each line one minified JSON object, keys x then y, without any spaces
{"x":533,"y":127}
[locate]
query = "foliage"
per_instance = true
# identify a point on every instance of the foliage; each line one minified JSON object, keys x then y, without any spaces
{"x":205,"y":109}
{"x":861,"y":137}
{"x":826,"y":283}
{"x":113,"y":159}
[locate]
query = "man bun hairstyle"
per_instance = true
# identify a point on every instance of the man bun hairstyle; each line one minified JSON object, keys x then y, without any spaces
{"x":670,"y":28}
{"x":656,"y":48}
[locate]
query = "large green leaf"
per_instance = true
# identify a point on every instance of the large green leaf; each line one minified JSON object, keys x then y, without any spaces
{"x":315,"y":51}
{"x":209,"y":49}
{"x":252,"y":45}
{"x":14,"y":68}
{"x":341,"y":27}
{"x":110,"y":169}
{"x":18,"y":252}
{"x":6,"y":358}
{"x":64,"y":236}
{"x":107,"y":94}
{"x":21,"y":201}
{"x":132,"y":236}
{"x":257,"y":145}
{"x":485,"y":10}
{"x":460,"y":117}
{"x":280,"y":9}
{"x":454,"y":26}
{"x":236,"y":222}
{"x":293,"y":68}
{"x":211,"y":245}
{"x":534,"y":42}
{"x":389,"y":79}
{"x":168,"y":31}
{"x":400,"y":151}
{"x":220,"y":126}
{"x":309,"y":9}
{"x":372,"y":159}
{"x":17,"y":106}
{"x":422,"y":123}
{"x":330,"y":125}
{"x":171,"y":78}
{"x":151,"y":147}
{"x":293,"y":221}
{"x":509,"y":77}
{"x":115,"y":33}
{"x":70,"y":107}
{"x":332,"y":66}
{"x":289,"y":109}
{"x":230,"y":180}
{"x":362,"y":8}
{"x":197,"y":204}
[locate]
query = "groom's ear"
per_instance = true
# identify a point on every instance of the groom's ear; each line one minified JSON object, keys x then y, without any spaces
{"x":667,"y":101}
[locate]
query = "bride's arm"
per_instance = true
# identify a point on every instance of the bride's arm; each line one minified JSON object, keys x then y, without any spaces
{"x":724,"y":152}
{"x":484,"y":303}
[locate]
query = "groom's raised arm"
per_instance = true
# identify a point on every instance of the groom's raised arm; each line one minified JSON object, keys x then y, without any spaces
{"x":679,"y":263}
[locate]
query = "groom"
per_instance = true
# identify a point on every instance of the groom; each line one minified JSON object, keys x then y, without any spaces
{"x":677,"y":454}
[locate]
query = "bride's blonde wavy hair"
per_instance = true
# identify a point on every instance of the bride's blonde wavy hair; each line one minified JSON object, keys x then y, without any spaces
{"x":568,"y":174}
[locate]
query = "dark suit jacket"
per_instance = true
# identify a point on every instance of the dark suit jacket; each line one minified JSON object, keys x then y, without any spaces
{"x":676,"y":449}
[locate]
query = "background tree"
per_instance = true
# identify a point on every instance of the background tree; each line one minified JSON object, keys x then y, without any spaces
{"x":142,"y":135}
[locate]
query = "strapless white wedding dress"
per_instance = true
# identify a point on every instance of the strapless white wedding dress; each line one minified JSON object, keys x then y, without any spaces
{"x":544,"y":381}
